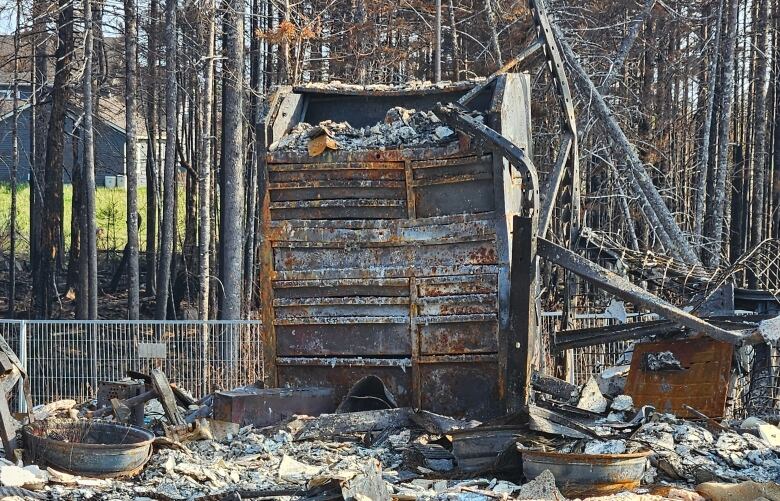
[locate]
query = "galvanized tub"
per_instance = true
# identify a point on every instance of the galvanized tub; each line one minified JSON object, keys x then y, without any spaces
{"x":587,"y":474}
{"x":89,"y":448}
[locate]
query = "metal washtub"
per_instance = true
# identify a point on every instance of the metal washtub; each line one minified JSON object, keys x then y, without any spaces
{"x":587,"y":474}
{"x":89,"y":448}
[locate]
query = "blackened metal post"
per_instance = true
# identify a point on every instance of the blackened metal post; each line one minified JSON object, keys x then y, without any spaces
{"x":437,"y":48}
{"x":521,"y":337}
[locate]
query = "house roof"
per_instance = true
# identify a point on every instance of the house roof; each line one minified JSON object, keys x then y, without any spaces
{"x":110,"y":110}
{"x":111,"y":107}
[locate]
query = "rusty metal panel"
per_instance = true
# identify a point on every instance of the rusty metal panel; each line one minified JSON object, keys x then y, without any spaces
{"x":362,"y":339}
{"x":393,"y":287}
{"x":342,"y":376}
{"x":702,"y":382}
{"x":346,"y":256}
{"x":453,"y":186}
{"x":341,"y":307}
{"x":337,"y":191}
{"x":458,"y":334}
{"x":358,"y":272}
{"x":461,"y":389}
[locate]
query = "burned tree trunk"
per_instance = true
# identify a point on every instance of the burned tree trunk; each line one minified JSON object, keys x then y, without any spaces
{"x":51,"y":224}
{"x":152,"y":159}
{"x":492,"y":22}
{"x":716,"y":212}
{"x":89,"y":234}
{"x":14,"y":167}
{"x":704,"y":149}
{"x":131,"y":161}
{"x":38,"y":128}
{"x":204,"y":165}
{"x":233,"y":162}
{"x":759,"y":124}
{"x":171,"y":128}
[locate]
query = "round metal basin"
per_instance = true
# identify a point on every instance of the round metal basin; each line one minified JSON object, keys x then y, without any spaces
{"x":88,"y":448}
{"x":587,"y":474}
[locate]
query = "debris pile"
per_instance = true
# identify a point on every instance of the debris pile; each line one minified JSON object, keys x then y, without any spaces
{"x":689,"y":452}
{"x":370,"y":448}
{"x":407,"y":128}
{"x":409,"y":86}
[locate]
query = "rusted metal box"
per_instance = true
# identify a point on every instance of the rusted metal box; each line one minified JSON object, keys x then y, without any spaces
{"x":264,"y":407}
{"x":391,"y":262}
{"x":122,"y":390}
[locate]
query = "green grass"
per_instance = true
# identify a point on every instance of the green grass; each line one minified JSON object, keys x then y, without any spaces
{"x":111,"y":214}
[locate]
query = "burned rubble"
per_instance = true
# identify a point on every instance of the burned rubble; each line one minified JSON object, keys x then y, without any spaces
{"x":407,"y":128}
{"x":362,"y":452}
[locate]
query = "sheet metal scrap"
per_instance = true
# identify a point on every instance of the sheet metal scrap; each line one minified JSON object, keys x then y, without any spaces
{"x":700,"y":380}
{"x":268,"y":406}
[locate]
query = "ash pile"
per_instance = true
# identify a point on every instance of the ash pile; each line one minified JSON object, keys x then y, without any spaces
{"x":408,"y":86}
{"x":401,"y":128}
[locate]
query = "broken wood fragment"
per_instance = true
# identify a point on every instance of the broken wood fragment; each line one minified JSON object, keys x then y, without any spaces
{"x":130,"y":402}
{"x":320,"y":141}
{"x":167,"y":398}
{"x":331,"y":425}
{"x":557,"y":388}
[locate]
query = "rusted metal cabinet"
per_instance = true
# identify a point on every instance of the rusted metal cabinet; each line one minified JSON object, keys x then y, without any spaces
{"x":391,"y":262}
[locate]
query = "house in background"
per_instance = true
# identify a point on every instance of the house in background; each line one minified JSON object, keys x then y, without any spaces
{"x":109,"y":132}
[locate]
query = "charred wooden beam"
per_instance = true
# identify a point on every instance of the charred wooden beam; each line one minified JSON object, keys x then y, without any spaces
{"x":166,"y":397}
{"x":622,"y":288}
{"x":520,"y":339}
{"x":557,"y":388}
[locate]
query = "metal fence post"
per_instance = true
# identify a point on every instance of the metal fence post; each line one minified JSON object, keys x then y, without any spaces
{"x":21,"y":404}
{"x":93,"y":330}
{"x":205,"y":335}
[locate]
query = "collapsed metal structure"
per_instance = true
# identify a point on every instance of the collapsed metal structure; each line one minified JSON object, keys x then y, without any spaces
{"x":421,"y":265}
{"x":396,"y":262}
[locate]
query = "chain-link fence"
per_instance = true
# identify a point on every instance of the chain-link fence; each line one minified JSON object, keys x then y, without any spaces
{"x":68,"y":359}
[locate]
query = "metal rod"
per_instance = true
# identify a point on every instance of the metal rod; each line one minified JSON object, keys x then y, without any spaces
{"x":622,"y":288}
{"x":437,"y":49}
